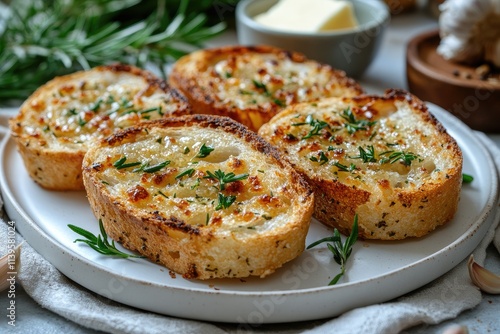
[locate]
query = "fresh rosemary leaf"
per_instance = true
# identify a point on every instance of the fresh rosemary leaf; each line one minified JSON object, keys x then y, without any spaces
{"x":466,"y":178}
{"x":100,"y":242}
{"x":188,"y":172}
{"x":352,"y":124}
{"x":224,"y":202}
{"x":224,"y":178}
{"x":341,"y":250}
{"x":157,"y":167}
{"x":204,"y":151}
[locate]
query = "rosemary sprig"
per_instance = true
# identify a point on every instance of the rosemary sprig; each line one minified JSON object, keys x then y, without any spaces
{"x":341,"y":250}
{"x":42,"y":39}
{"x":100,"y":242}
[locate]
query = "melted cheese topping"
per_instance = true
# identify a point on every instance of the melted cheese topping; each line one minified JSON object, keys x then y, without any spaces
{"x":333,"y":140}
{"x":252,"y":81}
{"x":184,"y":189}
{"x":91,"y":106}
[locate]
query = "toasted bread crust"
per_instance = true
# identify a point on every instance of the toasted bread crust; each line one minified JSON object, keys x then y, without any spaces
{"x":252,"y":84}
{"x":394,"y":198}
{"x":165,"y":220}
{"x":58,"y":122}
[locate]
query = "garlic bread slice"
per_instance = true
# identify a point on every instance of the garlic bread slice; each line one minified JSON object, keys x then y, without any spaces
{"x":200,"y":194}
{"x":384,"y":158}
{"x":57,"y":123}
{"x":252,"y":84}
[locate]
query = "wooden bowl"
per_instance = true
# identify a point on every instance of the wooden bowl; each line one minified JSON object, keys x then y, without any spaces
{"x":455,"y":87}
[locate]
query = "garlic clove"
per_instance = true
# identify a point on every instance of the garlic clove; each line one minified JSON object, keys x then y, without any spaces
{"x":6,"y":269}
{"x":456,"y":329}
{"x":483,"y":278}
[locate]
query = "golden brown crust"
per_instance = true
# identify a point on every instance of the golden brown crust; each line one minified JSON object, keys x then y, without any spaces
{"x":231,"y":242}
{"x":58,"y":121}
{"x":250,"y":84}
{"x":365,"y":172}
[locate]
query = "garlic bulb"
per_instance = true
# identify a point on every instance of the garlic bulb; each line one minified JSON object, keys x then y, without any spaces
{"x":470,"y":31}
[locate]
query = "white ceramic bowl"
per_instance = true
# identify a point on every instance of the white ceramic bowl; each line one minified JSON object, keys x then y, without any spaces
{"x":351,"y":50}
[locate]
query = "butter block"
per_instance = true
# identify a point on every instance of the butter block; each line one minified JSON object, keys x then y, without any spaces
{"x":309,"y":15}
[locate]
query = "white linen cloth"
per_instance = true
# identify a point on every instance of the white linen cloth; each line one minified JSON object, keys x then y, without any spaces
{"x":442,"y":299}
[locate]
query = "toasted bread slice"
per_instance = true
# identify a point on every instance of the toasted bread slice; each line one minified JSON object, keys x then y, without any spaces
{"x":386,"y":159}
{"x":251,"y":84}
{"x":200,"y":194}
{"x":56,"y":124}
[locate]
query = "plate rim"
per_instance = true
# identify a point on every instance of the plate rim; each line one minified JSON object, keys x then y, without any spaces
{"x":450,"y":121}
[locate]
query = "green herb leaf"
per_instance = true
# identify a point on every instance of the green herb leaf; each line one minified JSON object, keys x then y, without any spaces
{"x":157,"y":167}
{"x":341,"y":250}
{"x":466,"y":178}
{"x":204,"y":151}
{"x":367,"y":155}
{"x":224,"y":178}
{"x":189,"y":172}
{"x":224,"y":202}
{"x":316,"y":124}
{"x":352,"y":124}
{"x":100,"y":242}
{"x":406,"y":158}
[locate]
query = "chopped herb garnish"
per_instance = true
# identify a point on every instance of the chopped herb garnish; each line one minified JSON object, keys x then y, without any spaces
{"x":120,"y":163}
{"x":317,"y":126}
{"x":466,"y":178}
{"x":279,"y":102}
{"x":266,"y":217}
{"x":224,"y":202}
{"x":405,"y":157}
{"x":367,"y":155}
{"x":100,"y":243}
{"x":341,"y":250}
{"x":323,"y":159}
{"x":96,"y":105}
{"x":207,"y":219}
{"x":189,"y":172}
{"x":344,"y":168}
{"x":81,"y":121}
{"x":204,"y":151}
{"x":353,"y":124}
{"x":186,"y":150}
{"x":155,"y":168}
{"x":260,"y":85}
{"x":162,"y":194}
{"x":224,"y":178}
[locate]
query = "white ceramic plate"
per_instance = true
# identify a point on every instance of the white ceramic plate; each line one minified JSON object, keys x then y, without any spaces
{"x":377,"y":271}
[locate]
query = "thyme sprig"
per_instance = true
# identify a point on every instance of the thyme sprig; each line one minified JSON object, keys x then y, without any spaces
{"x":100,"y":242}
{"x":224,"y":202}
{"x":341,"y":250}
